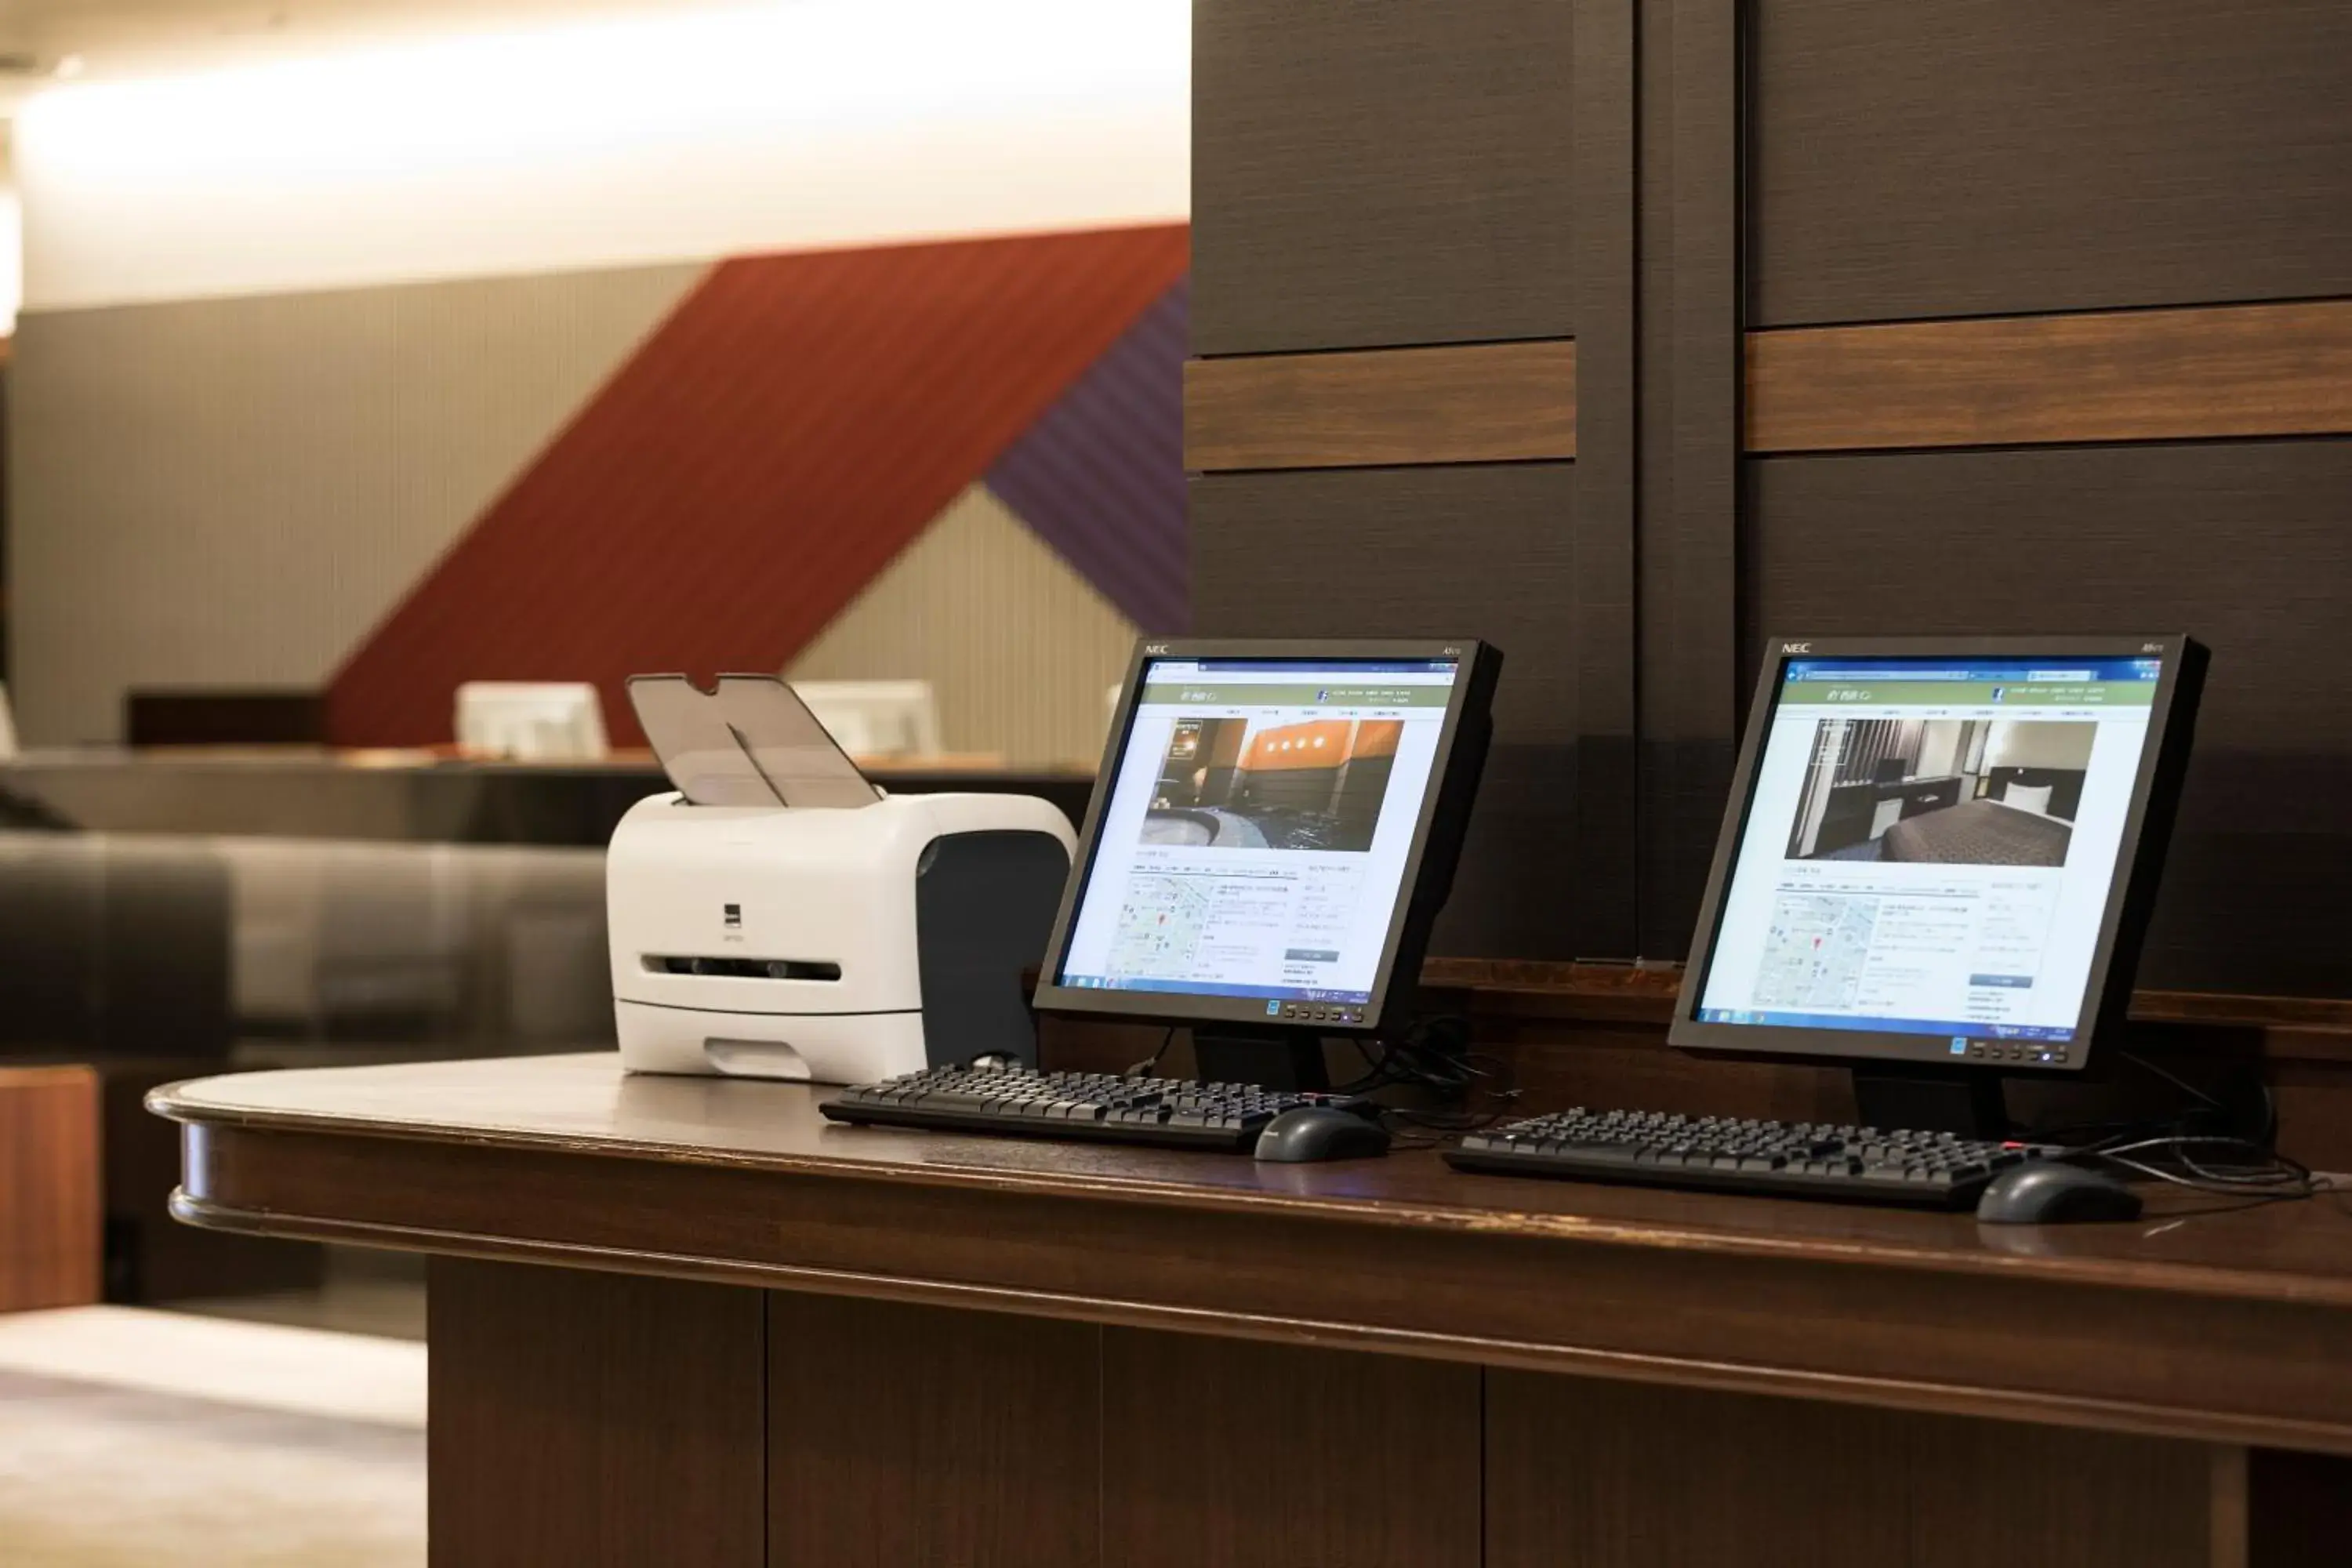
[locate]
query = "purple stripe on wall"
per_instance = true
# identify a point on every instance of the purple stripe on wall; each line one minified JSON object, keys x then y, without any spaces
{"x":1101,"y":477}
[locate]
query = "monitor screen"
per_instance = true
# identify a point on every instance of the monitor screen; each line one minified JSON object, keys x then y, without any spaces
{"x":1259,"y":828}
{"x":1929,"y":846}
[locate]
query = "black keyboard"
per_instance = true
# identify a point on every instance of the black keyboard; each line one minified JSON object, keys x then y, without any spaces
{"x":1106,"y":1108}
{"x":1932,"y":1170}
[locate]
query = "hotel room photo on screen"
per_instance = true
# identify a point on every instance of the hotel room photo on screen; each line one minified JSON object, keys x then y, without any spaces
{"x":1973,"y":792}
{"x":1248,"y":783}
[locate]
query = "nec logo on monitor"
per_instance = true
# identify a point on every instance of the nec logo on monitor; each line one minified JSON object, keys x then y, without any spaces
{"x":1796,"y":648}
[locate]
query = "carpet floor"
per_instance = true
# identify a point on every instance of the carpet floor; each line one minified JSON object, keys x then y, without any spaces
{"x":133,"y":1439}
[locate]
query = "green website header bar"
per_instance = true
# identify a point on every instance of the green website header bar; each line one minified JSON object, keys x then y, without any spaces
{"x":1969,"y":694}
{"x":1213,"y":693}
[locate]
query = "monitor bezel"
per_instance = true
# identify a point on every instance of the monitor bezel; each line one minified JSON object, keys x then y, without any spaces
{"x":1179,"y":1007}
{"x":2130,"y":893}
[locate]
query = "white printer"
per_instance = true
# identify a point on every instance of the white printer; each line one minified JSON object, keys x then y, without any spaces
{"x":780,"y":917}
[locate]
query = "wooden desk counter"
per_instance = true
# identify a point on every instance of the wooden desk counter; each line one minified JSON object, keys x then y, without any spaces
{"x":980,"y":1350}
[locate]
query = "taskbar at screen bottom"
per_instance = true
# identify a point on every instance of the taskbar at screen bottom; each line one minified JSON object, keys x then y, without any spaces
{"x":1956,"y":1029}
{"x":1274,"y":997}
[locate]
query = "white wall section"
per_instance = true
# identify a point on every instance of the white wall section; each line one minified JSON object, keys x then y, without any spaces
{"x":686,"y":135}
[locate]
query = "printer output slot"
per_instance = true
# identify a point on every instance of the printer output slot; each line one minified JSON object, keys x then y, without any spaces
{"x":744,"y":968}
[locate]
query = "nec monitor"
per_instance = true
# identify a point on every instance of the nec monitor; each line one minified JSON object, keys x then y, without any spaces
{"x":1274,"y":829}
{"x":1941,"y":851}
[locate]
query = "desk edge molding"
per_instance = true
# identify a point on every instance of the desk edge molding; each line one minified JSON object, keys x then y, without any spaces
{"x":1920,"y":1395}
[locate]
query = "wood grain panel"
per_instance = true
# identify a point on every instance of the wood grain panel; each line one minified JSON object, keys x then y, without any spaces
{"x":1381,"y":176}
{"x":1430,"y":552}
{"x":1607,"y":1476}
{"x":1986,"y":157}
{"x":1483,"y":403}
{"x":2132,"y":375}
{"x":49,"y":1196}
{"x":583,"y":1420}
{"x":910,"y":1435}
{"x":2242,"y":544}
{"x":1228,"y":1454}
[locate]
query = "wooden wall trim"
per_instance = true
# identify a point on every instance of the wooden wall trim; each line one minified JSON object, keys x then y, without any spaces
{"x":2206,"y":373}
{"x":1473,"y":403}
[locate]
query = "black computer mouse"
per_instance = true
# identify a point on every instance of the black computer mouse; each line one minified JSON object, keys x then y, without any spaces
{"x":1320,"y":1133}
{"x":2049,"y":1192}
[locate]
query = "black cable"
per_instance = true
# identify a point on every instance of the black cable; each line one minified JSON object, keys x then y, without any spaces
{"x":1473,"y":1089}
{"x":2218,"y":1165}
{"x":2193,"y":1147}
{"x":1144,"y":1067}
{"x":2175,"y":1080}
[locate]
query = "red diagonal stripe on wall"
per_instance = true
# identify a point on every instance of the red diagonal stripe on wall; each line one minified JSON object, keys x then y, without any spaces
{"x":774,"y":445}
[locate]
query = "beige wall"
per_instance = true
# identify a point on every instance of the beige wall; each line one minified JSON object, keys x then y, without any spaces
{"x":1022,"y":650}
{"x":233,"y":493}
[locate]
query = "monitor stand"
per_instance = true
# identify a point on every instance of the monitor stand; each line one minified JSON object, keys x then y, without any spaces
{"x":1264,"y":1057}
{"x":1900,"y":1097}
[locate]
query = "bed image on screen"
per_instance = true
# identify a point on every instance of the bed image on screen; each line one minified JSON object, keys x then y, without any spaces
{"x":1255,"y":783}
{"x":1978,"y":792}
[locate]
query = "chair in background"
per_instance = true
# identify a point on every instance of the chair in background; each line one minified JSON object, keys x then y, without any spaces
{"x":875,"y":718}
{"x":531,"y":722}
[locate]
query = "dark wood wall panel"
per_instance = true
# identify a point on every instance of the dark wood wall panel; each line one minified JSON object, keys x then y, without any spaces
{"x":900,"y":1434}
{"x":2126,"y":375}
{"x":2242,"y":543}
{"x":651,"y":1401}
{"x":1486,"y":550}
{"x":2007,"y":156}
{"x":1381,"y":174}
{"x":1480,"y":403}
{"x":1613,"y":1475}
{"x":1232,"y":1453}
